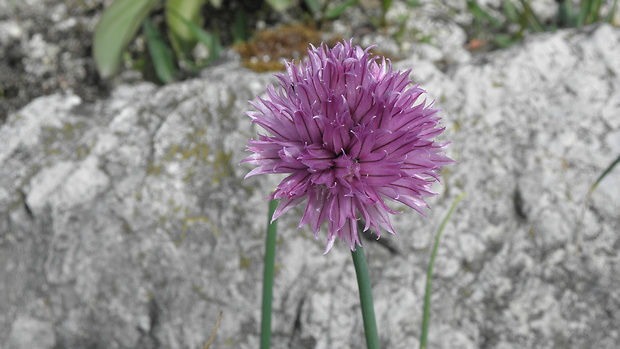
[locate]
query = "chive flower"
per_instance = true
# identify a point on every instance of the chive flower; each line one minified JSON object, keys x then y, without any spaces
{"x":352,"y":134}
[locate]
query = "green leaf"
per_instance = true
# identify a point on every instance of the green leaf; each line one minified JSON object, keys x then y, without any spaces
{"x":566,"y":14}
{"x":385,"y":5}
{"x":595,"y":11}
{"x":240,"y":28}
{"x":610,"y":16}
{"x":338,"y":10}
{"x":116,"y":28}
{"x":505,"y":40}
{"x":532,"y":21}
{"x":314,"y":6}
{"x":204,"y":37}
{"x":160,"y":53}
{"x":178,"y":12}
{"x":483,"y":15}
{"x":280,"y":5}
{"x":511,"y":12}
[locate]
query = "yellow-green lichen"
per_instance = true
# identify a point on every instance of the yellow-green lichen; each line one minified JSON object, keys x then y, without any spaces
{"x":188,"y":221}
{"x":222,"y":166}
{"x":245,"y":263}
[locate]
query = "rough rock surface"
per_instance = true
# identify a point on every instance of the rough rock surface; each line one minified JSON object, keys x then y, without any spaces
{"x":45,"y":47}
{"x":126,"y":223}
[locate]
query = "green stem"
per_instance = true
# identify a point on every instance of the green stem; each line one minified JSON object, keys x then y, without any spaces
{"x":368,"y":311}
{"x":270,"y":256}
{"x":429,"y":275}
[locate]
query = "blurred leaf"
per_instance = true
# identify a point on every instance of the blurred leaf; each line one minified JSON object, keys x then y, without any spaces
{"x":511,"y":12}
{"x":116,"y":28}
{"x":413,"y":3}
{"x":240,"y":29}
{"x":160,"y":53}
{"x":481,"y":14}
{"x":204,"y":37}
{"x":338,"y":10}
{"x":566,"y":14}
{"x":314,"y":6}
{"x":532,"y":21}
{"x":589,"y":12}
{"x":177,"y":13}
{"x":610,"y":16}
{"x":216,"y":3}
{"x":505,"y":40}
{"x":280,"y":5}
{"x":385,"y":5}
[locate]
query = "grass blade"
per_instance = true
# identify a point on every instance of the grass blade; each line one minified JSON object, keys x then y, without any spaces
{"x":117,"y":26}
{"x":566,"y":14}
{"x":160,"y":53}
{"x":481,"y":14}
{"x":533,"y":22}
{"x":586,"y":202}
{"x":605,"y":173}
{"x":429,"y":275}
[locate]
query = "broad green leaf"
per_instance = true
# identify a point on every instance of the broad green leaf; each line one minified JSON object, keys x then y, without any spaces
{"x":181,"y":36}
{"x":338,"y":10}
{"x":160,"y":53}
{"x":280,"y":5}
{"x":314,"y":6}
{"x":116,"y":28}
{"x":206,"y":38}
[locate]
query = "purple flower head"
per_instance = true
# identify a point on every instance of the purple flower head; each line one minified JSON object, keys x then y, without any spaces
{"x":352,"y":134}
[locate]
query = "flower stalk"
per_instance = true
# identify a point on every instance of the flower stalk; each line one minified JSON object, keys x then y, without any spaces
{"x":270,"y":254}
{"x":365,"y":291}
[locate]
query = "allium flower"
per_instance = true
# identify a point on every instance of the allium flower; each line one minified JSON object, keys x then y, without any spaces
{"x":352,"y":134}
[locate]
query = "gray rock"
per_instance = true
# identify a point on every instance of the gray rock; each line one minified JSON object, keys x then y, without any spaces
{"x":126,"y":223}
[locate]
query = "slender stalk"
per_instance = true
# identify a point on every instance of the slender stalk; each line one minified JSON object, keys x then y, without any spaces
{"x":365,"y":290}
{"x":270,"y":256}
{"x":429,"y":275}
